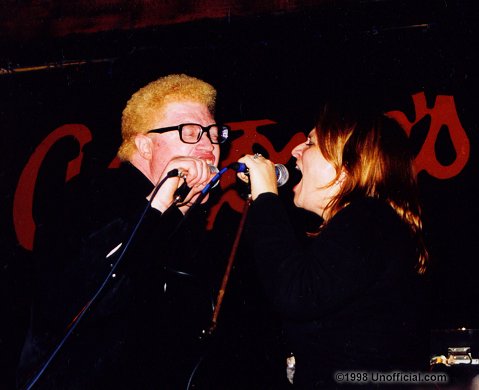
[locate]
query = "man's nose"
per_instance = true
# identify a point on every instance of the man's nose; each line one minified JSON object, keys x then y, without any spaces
{"x":205,"y":140}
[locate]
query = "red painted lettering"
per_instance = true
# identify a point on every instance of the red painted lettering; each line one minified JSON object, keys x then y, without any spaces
{"x":23,"y":200}
{"x":443,"y":113}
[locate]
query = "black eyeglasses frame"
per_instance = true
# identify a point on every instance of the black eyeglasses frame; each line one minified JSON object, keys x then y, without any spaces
{"x":206,"y":130}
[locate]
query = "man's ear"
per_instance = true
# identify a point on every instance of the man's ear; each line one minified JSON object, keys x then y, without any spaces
{"x":144,"y":145}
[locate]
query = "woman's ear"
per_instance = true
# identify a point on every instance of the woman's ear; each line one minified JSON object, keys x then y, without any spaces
{"x":144,"y":145}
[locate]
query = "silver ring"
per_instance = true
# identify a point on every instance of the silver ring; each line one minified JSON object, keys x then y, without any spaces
{"x":256,"y":155}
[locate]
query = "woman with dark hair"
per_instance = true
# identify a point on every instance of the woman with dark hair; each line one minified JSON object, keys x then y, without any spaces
{"x":353,"y":299}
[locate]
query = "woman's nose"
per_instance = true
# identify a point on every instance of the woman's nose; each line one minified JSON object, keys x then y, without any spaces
{"x":297,"y":150}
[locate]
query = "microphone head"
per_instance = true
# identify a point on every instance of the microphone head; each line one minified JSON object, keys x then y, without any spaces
{"x":213,"y":169}
{"x":282,"y":174}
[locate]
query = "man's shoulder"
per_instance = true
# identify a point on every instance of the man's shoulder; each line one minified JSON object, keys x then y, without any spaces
{"x":93,"y":199}
{"x":105,"y":182}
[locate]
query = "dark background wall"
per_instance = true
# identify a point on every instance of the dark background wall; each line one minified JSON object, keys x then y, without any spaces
{"x":73,"y":63}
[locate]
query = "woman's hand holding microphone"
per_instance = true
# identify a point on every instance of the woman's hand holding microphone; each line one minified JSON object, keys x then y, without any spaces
{"x":261,"y":176}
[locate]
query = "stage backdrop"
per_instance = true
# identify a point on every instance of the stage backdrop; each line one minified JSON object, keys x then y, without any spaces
{"x":271,"y":72}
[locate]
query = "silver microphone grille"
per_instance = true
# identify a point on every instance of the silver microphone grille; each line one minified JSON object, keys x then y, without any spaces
{"x":213,"y":169}
{"x":282,"y":174}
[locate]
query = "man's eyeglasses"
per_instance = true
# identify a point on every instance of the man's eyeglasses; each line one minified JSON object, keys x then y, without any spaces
{"x":191,"y":133}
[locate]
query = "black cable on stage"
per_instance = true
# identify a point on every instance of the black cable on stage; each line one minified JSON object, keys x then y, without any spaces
{"x":79,"y":316}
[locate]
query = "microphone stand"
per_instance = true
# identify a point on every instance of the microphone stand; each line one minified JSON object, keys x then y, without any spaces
{"x":229,"y":266}
{"x":234,"y":249}
{"x":221,"y":292}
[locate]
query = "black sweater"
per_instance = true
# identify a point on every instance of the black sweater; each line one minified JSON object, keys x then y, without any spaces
{"x":351,"y":299}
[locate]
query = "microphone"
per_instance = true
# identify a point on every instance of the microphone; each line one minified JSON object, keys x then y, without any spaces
{"x":282,"y":174}
{"x":183,"y":190}
{"x":178,"y":172}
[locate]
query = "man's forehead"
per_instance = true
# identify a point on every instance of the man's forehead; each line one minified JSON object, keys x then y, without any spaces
{"x":176,"y":113}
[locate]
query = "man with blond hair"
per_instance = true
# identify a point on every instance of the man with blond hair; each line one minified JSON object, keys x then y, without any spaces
{"x":162,"y":129}
{"x":134,"y":335}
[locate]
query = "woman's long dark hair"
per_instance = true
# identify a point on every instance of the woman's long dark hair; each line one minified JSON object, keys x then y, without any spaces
{"x":372,"y":150}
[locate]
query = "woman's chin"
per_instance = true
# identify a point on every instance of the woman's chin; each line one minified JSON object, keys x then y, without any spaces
{"x":296,"y":200}
{"x":297,"y":191}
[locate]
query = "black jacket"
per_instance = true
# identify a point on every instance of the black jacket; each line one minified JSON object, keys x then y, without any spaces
{"x":141,"y":330}
{"x":351,"y":300}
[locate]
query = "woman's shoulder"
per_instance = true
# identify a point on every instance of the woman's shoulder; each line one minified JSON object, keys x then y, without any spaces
{"x":368,"y":219}
{"x":368,"y":208}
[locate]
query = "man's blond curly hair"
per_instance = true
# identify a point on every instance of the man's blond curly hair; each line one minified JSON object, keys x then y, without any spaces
{"x":152,"y":99}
